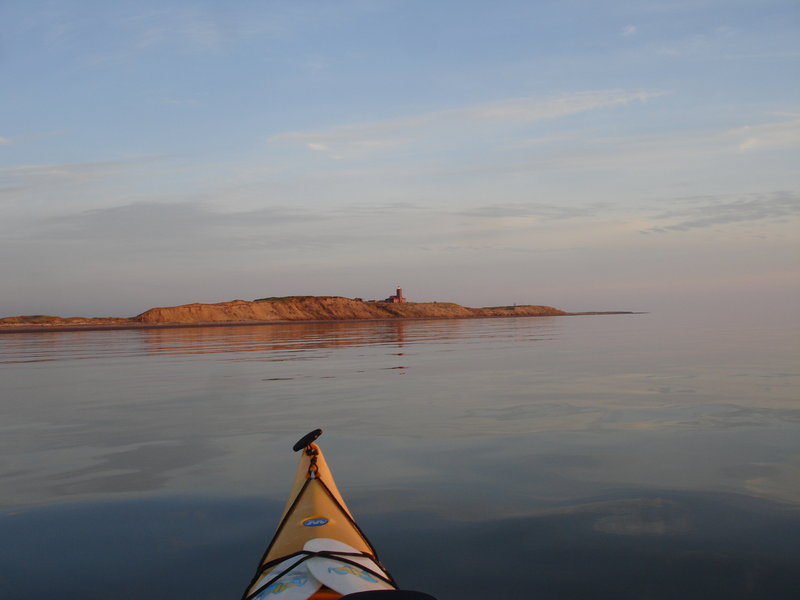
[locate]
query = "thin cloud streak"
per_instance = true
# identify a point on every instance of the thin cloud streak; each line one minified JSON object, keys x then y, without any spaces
{"x":168,"y":222}
{"x":545,"y":212}
{"x":363,"y":138}
{"x":38,"y":175}
{"x":772,"y":135}
{"x":654,"y":152}
{"x":704,"y":212}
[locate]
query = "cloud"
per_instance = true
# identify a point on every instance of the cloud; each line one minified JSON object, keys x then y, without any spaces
{"x":28,"y":191}
{"x":148,"y":28}
{"x":531,"y":209}
{"x":32,"y":176}
{"x":28,"y":137}
{"x":191,"y":27}
{"x":714,"y":43}
{"x":710,"y":211}
{"x":771,"y":135}
{"x":629,"y":30}
{"x":163,"y":223}
{"x":189,"y":230}
{"x":645,"y":154}
{"x":361,"y":139}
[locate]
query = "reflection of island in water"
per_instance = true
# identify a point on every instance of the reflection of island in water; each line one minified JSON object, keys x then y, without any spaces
{"x":293,"y":341}
{"x":283,"y":341}
{"x":279,"y":342}
{"x":281,"y":309}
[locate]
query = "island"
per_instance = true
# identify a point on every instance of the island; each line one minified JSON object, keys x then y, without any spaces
{"x":278,"y":310}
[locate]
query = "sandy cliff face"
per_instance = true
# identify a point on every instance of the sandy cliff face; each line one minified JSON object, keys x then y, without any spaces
{"x":292,"y":308}
{"x":324,"y":308}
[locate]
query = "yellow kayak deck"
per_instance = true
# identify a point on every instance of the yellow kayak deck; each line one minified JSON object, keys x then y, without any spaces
{"x":317,"y":543}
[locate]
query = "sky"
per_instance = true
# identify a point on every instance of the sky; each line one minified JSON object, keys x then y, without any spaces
{"x":589,"y":155}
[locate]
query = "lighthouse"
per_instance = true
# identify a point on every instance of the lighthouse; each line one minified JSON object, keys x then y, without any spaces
{"x":397,"y":298}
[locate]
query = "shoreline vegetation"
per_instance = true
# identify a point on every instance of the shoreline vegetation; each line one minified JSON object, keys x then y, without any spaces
{"x":275,"y":310}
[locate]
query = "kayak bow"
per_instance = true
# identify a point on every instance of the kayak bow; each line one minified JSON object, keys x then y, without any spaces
{"x":318,"y":551}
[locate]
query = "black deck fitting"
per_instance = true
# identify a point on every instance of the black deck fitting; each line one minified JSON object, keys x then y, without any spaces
{"x":307,"y":440}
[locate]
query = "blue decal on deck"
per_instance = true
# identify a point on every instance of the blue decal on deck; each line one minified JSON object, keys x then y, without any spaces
{"x":315,"y":522}
{"x":351,"y":570}
{"x":282,"y":586}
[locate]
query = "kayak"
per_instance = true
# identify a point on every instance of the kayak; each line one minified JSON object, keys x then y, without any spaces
{"x":318,"y":551}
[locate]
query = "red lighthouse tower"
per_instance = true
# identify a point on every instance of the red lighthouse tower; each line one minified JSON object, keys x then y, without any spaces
{"x":397,"y":298}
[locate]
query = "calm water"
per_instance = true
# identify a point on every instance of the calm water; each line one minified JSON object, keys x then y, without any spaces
{"x":636,"y":456}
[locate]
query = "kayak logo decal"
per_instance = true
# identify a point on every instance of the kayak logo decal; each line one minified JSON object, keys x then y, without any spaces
{"x":282,"y":586}
{"x":315,"y":522}
{"x":350,"y":570}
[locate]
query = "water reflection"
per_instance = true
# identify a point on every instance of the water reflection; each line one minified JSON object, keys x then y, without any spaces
{"x":300,"y":340}
{"x":664,"y":546}
{"x":271,"y":342}
{"x":527,"y":440}
{"x":306,"y":341}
